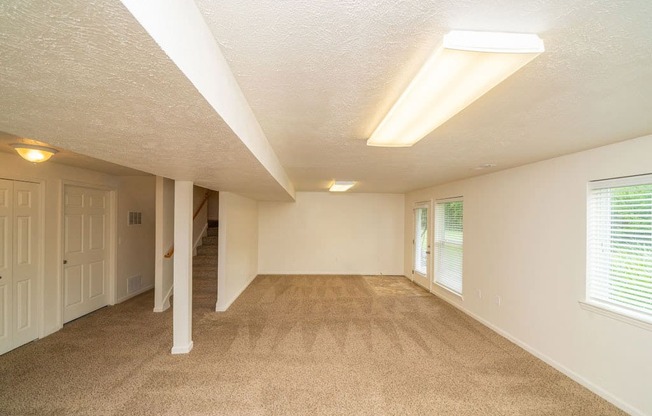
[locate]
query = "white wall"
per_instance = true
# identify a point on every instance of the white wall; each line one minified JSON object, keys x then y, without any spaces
{"x":200,"y":222}
{"x":164,"y":268}
{"x":52,"y":176}
{"x":525,"y":240}
{"x":237,"y":262}
{"x":214,"y":205}
{"x":327,"y":233}
{"x":136,"y":242}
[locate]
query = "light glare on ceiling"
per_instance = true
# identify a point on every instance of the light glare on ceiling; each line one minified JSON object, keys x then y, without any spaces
{"x":341,"y":186}
{"x":34,"y":153}
{"x":466,"y":66}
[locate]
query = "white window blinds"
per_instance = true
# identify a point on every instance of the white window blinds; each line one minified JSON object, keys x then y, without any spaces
{"x":620,"y":244}
{"x":448,"y":244}
{"x":421,"y":240}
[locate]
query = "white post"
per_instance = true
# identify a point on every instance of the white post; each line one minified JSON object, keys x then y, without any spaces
{"x":158,"y":248}
{"x":182,"y":305}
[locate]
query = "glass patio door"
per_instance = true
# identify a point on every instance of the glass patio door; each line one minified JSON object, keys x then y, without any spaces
{"x":421,"y":264}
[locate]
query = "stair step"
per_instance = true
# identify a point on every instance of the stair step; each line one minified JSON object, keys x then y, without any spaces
{"x":207,"y":250}
{"x":204,"y":260}
{"x":210,"y":240}
{"x":212,"y":231}
{"x":204,"y":273}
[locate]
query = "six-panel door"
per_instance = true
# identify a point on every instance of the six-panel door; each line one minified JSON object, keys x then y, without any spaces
{"x":85,"y":242}
{"x":19,"y":262}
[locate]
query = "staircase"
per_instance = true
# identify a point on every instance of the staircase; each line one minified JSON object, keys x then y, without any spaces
{"x":204,"y":272}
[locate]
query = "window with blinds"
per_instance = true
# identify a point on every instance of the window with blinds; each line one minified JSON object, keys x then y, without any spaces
{"x":421,"y":240}
{"x":620,"y":245}
{"x":448,"y":244}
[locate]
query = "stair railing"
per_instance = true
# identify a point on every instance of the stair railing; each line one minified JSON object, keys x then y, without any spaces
{"x":170,"y":251}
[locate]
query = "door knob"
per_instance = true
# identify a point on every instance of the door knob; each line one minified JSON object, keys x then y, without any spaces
{"x":65,"y":262}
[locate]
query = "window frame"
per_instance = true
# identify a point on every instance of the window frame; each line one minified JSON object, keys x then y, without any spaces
{"x":610,"y":309}
{"x":436,"y":268}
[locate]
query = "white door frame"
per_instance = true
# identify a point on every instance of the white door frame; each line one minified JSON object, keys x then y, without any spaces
{"x":426,"y":281}
{"x":113,"y":240}
{"x":40,"y":277}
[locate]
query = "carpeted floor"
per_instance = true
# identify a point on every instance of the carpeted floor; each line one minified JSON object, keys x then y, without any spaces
{"x":291,"y":345}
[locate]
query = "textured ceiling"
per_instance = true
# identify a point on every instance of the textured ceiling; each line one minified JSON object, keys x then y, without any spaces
{"x":85,"y":76}
{"x":319,"y":75}
{"x":68,"y":158}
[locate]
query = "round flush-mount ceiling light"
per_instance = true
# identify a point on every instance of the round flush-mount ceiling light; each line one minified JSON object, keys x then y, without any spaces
{"x":33,"y":153}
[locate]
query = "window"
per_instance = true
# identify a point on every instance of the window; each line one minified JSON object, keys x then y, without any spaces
{"x":620,"y":246}
{"x":448,"y":244}
{"x":421,"y":239}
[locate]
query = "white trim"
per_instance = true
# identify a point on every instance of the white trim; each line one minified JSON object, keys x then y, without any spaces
{"x":185,"y":349}
{"x":166,"y":301}
{"x":556,"y":365}
{"x":136,"y":293}
{"x":614,"y":312}
{"x":112,"y":228}
{"x":634,"y":180}
{"x":439,"y":286}
{"x":227,"y":305}
{"x":199,"y":241}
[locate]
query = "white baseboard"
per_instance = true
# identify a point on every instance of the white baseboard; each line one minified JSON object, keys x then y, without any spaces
{"x":226,"y":305}
{"x":136,"y":293}
{"x":183,"y":349}
{"x":556,"y":365}
{"x":166,"y":301}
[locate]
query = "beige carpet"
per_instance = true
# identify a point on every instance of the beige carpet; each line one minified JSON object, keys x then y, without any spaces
{"x":304,"y":345}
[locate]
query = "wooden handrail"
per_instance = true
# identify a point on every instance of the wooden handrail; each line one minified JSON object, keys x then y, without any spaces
{"x":170,"y":252}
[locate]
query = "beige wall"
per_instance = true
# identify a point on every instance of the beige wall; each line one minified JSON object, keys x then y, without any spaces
{"x":52,"y":176}
{"x":164,"y":267}
{"x":238,"y":247}
{"x":326,"y":233}
{"x":200,"y":222}
{"x":214,"y":205}
{"x":525,"y":241}
{"x":136,"y":242}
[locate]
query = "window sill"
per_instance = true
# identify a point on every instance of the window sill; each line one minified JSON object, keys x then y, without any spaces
{"x":614,"y":313}
{"x":452,"y":292}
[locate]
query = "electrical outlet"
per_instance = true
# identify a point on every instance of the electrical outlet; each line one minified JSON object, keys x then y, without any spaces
{"x":498,"y":300}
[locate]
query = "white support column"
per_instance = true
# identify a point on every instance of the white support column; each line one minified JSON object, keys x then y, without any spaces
{"x":158,"y":248}
{"x":182,"y":305}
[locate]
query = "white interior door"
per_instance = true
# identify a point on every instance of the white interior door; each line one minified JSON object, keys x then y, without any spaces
{"x":6,"y":262}
{"x":19,"y":267}
{"x":85,"y":242}
{"x":421,"y":247}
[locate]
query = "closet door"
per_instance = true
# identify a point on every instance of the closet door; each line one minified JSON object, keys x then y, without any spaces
{"x":25,"y":261}
{"x":19,"y":252}
{"x":6,"y":262}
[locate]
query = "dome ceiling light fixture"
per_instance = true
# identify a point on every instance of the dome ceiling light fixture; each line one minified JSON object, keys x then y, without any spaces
{"x":465,"y":67}
{"x":34,"y":153}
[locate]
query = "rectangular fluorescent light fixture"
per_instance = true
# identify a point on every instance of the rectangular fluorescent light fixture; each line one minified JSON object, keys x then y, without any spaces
{"x":466,"y":66}
{"x":341,"y":186}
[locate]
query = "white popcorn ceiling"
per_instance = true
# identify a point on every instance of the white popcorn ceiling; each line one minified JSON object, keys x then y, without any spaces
{"x":86,"y":77}
{"x":319,"y":75}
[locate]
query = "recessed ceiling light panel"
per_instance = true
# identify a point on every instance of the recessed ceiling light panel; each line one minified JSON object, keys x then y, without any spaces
{"x":466,"y":66}
{"x":341,"y":186}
